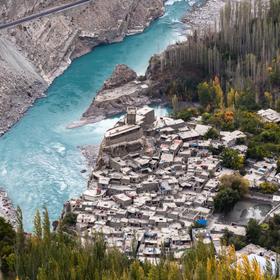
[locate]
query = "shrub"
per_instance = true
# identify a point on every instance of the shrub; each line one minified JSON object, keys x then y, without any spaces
{"x":225,"y":200}
{"x":232,"y":159}
{"x":268,"y":187}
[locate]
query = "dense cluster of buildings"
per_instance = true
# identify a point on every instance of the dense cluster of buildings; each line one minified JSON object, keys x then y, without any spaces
{"x":145,"y":200}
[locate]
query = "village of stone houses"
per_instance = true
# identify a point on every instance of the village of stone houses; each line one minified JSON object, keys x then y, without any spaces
{"x":155,"y":181}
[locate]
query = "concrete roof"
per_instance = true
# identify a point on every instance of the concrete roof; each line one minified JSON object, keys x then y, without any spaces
{"x":121,"y":129}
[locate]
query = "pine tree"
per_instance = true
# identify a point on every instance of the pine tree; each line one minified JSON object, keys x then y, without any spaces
{"x":38,"y":225}
{"x":136,"y":271}
{"x":175,"y":103}
{"x":46,"y":226}
{"x":19,"y":242}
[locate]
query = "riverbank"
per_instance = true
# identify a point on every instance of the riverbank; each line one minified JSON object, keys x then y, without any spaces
{"x":48,"y":45}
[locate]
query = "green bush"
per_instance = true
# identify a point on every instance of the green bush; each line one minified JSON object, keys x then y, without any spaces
{"x":268,"y":187}
{"x":232,"y":159}
{"x":186,"y":114}
{"x":7,"y":241}
{"x":225,"y":200}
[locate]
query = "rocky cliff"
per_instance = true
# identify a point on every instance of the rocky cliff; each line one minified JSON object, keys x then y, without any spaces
{"x":20,"y":84}
{"x":121,"y":90}
{"x":47,"y":45}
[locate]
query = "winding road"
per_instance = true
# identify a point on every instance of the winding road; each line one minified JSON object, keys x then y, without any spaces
{"x":44,"y":13}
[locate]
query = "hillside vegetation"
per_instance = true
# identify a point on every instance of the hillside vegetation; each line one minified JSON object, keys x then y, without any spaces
{"x":243,"y":53}
{"x":46,"y":255}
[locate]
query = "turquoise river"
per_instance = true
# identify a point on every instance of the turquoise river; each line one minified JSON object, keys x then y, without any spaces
{"x":40,"y":162}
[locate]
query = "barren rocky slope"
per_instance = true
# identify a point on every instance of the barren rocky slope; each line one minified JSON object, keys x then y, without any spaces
{"x":46,"y":46}
{"x":20,"y":84}
{"x":13,"y":9}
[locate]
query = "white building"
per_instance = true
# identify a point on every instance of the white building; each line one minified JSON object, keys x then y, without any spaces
{"x":269,"y":115}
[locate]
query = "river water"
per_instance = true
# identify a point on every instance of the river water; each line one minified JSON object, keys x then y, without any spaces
{"x":39,"y":160}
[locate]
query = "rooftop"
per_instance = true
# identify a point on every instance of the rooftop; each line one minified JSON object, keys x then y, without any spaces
{"x":121,"y":129}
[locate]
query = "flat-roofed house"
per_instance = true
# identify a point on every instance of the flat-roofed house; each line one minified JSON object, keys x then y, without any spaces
{"x":123,"y":134}
{"x":269,"y":115}
{"x":123,"y":199}
{"x":146,"y":115}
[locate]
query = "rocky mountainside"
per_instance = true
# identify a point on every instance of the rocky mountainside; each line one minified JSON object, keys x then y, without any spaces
{"x":47,"y":45}
{"x":13,"y":9}
{"x":20,"y":84}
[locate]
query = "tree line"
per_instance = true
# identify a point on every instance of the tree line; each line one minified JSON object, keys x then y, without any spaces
{"x":243,"y":51}
{"x":45,"y":255}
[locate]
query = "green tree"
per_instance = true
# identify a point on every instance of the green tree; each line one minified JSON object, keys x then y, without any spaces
{"x":268,"y":187}
{"x":66,"y":258}
{"x":249,"y":122}
{"x":46,"y":226}
{"x":232,"y":188}
{"x":7,"y":241}
{"x":42,"y":275}
{"x":212,"y":133}
{"x":69,"y":219}
{"x":38,"y":225}
{"x":247,"y":100}
{"x":136,"y":272}
{"x":235,"y":182}
{"x":231,"y":98}
{"x":153,"y":274}
{"x":206,"y":95}
{"x":226,"y":199}
{"x":211,"y":95}
{"x":232,"y":159}
{"x":268,"y":99}
{"x":253,"y":231}
{"x":20,"y":242}
{"x":256,"y":151}
{"x":174,"y":272}
{"x":230,"y":239}
{"x":175,"y":103}
{"x":186,"y":114}
{"x":219,"y":95}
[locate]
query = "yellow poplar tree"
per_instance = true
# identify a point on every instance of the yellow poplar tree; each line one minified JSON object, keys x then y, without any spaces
{"x":219,"y":98}
{"x":231,"y":98}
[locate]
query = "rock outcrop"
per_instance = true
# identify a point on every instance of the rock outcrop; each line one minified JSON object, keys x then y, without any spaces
{"x":121,"y":90}
{"x":49,"y":44}
{"x":121,"y":75}
{"x":124,"y":89}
